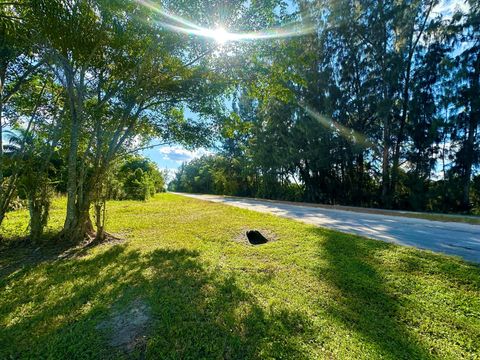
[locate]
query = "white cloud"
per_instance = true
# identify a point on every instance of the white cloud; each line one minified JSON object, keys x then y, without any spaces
{"x":180,"y":154}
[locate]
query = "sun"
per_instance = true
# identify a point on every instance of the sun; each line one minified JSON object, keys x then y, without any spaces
{"x":220,"y":35}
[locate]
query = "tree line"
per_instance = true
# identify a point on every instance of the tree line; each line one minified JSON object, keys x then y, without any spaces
{"x":380,"y":106}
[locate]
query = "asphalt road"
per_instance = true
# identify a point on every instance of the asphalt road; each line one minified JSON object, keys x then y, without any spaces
{"x":446,"y":237}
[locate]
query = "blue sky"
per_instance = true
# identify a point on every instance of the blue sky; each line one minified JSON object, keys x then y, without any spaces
{"x":171,"y":156}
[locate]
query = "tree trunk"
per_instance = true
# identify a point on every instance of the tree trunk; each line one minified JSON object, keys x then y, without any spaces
{"x":406,"y":99}
{"x":472,"y":130}
{"x":72,"y":180}
{"x":80,"y":227}
{"x":77,"y":224}
{"x":385,"y":109}
{"x":361,"y":182}
{"x":100,"y":221}
{"x":468,"y":166}
{"x":385,"y":166}
{"x":400,"y":134}
{"x":36,"y":221}
{"x":2,"y":85}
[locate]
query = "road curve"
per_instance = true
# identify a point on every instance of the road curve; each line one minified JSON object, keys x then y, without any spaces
{"x":447,"y":237}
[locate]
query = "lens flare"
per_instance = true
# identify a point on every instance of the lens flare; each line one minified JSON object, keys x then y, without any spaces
{"x":221,"y":35}
{"x":343,"y":131}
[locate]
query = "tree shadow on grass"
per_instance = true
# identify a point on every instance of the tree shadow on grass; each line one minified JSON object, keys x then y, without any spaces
{"x":206,"y":315}
{"x":363,"y":302}
{"x":53,"y":310}
{"x":19,"y":255}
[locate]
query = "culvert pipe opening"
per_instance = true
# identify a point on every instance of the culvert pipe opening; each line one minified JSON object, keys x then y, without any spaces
{"x":255,"y":237}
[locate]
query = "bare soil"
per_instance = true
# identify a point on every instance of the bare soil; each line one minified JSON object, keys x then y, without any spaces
{"x":128,"y":328}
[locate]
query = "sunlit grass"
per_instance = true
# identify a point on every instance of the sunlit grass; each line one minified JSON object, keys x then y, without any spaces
{"x":312,"y":293}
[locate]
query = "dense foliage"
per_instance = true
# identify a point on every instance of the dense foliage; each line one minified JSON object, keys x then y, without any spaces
{"x":379,"y":107}
{"x":136,"y":178}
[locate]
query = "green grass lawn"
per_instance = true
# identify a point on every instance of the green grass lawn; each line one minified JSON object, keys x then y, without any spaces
{"x":204,"y":294}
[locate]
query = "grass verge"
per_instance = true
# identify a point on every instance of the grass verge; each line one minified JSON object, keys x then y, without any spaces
{"x":193,"y":291}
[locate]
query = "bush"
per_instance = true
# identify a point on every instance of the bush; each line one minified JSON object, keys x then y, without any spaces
{"x":136,"y":178}
{"x":138,"y":186}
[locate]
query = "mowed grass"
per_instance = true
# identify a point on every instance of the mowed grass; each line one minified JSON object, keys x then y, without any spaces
{"x":312,"y":293}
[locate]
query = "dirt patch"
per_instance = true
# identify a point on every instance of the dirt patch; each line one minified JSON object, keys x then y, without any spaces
{"x":128,"y":328}
{"x":256,"y":237}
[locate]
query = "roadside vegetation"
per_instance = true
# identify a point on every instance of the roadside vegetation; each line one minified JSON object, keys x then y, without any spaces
{"x":204,"y":292}
{"x":134,"y":178}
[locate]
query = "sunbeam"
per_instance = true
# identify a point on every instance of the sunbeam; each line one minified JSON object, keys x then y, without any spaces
{"x":344,"y":131}
{"x":220,"y":34}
